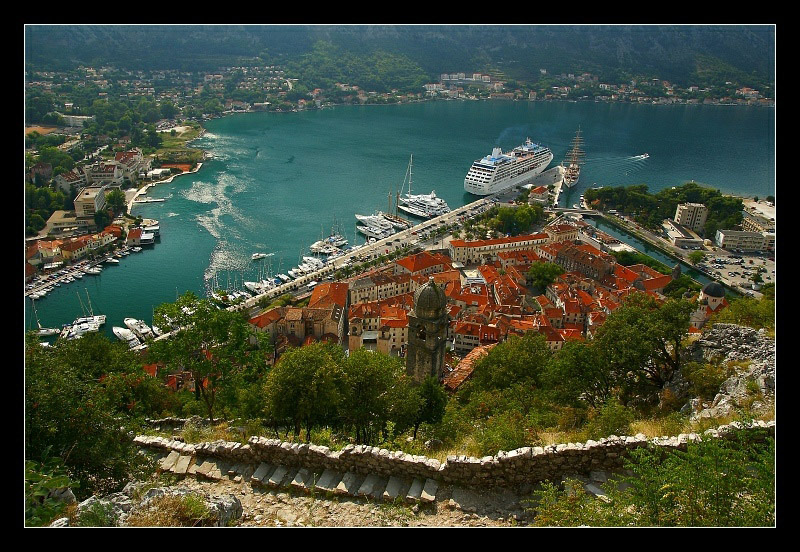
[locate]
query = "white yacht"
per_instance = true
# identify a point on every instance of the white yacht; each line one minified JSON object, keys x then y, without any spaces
{"x":126,"y":335}
{"x":139,"y":327}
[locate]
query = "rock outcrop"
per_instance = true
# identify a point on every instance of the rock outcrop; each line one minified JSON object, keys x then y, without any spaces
{"x":753,"y":386}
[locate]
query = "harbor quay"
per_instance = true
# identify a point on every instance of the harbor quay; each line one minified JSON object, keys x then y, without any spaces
{"x":407,"y":237}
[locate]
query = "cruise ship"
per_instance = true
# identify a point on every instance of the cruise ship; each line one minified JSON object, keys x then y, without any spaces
{"x":499,"y":171}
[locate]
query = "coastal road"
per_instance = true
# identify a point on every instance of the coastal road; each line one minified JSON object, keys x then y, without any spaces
{"x":414,"y":236}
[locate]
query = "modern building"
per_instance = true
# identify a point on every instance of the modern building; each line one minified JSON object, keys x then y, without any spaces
{"x":89,"y":201}
{"x":745,"y":241}
{"x":691,"y":215}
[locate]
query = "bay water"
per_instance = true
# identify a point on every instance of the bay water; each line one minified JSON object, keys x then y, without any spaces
{"x":277,"y":182}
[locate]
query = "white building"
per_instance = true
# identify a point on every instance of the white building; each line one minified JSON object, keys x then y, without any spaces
{"x":691,"y":215}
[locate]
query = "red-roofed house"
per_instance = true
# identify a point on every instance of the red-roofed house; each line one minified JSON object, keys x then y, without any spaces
{"x":328,"y":294}
{"x":134,"y":237}
{"x":422,"y":263}
{"x":538,"y":195}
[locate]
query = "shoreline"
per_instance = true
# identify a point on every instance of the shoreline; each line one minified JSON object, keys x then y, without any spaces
{"x":143,"y":190}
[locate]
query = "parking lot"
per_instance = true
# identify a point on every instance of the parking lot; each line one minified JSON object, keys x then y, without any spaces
{"x":737,"y":268}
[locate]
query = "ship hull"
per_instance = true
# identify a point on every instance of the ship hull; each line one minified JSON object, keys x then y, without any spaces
{"x":493,"y":186}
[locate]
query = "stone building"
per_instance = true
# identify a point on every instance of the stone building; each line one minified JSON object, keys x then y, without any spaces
{"x":427,"y":333}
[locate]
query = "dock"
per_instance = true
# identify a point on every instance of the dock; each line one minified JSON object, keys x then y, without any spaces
{"x":554,"y":176}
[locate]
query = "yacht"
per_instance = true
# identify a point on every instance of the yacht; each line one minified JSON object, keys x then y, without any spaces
{"x":138,"y":327}
{"x":126,"y":335}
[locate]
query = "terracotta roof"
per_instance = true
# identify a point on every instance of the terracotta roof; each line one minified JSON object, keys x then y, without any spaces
{"x":151,"y":369}
{"x":267,"y":318}
{"x":419,"y":262}
{"x":497,"y":241}
{"x":465,"y":368}
{"x":329,"y":294}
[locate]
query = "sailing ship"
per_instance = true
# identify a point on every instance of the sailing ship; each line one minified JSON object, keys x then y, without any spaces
{"x":573,"y":161}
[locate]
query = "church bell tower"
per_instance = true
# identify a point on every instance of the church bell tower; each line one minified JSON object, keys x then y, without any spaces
{"x":427,"y":333}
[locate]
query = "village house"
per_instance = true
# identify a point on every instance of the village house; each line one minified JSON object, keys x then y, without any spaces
{"x":297,"y":326}
{"x":66,"y":181}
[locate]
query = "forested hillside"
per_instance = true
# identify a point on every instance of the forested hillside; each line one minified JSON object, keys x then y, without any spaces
{"x":683,"y":54}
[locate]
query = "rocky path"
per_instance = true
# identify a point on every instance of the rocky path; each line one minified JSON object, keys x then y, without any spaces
{"x":263,"y":507}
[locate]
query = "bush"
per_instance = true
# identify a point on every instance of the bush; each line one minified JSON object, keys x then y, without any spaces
{"x":96,"y":515}
{"x":612,"y":419}
{"x":719,"y":482}
{"x":41,"y":479}
{"x":505,"y":431}
{"x":705,"y":379}
{"x":174,"y":511}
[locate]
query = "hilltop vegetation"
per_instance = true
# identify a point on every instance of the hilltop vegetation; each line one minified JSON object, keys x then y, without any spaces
{"x":700,"y":55}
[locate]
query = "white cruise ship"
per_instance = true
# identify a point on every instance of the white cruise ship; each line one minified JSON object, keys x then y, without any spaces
{"x":499,"y":171}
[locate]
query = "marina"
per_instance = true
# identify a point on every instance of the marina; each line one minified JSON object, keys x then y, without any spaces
{"x":240,"y":202}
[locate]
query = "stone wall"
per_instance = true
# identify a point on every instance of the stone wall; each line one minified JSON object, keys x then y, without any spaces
{"x":506,"y":469}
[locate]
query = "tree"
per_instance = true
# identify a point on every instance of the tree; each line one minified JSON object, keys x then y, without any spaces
{"x":72,"y":413}
{"x":116,"y":200}
{"x":371,"y":382}
{"x":642,"y":342}
{"x":517,"y":359}
{"x":696,"y":257}
{"x":432,"y":403}
{"x":542,"y":274}
{"x":304,"y":388}
{"x":578,"y":372}
{"x":210,"y":343}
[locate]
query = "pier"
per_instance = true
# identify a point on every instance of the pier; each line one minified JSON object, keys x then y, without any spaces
{"x":554,"y":176}
{"x":407,"y":237}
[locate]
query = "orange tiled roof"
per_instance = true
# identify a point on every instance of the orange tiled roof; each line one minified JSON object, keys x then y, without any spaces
{"x":267,"y":318}
{"x":329,"y":294}
{"x":454,"y":379}
{"x":420,"y":261}
{"x":497,"y":241}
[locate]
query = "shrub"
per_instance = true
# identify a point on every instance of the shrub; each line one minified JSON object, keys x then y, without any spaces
{"x":612,"y":419}
{"x":41,"y":479}
{"x":705,"y":379}
{"x":173,"y":511}
{"x":719,"y":482}
{"x":505,"y":431}
{"x":96,"y":515}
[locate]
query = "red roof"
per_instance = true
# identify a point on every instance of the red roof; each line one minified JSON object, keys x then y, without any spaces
{"x":454,"y":379}
{"x":328,"y":294}
{"x":151,"y":369}
{"x":265,"y":319}
{"x":512,"y":239}
{"x":420,"y":261}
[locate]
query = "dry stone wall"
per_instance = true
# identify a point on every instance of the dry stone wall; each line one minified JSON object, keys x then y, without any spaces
{"x":506,"y":469}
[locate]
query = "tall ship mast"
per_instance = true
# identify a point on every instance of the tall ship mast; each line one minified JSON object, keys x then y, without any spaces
{"x":574,"y":160}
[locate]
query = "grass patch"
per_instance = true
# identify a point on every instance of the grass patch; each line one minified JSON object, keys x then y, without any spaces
{"x":174,"y":511}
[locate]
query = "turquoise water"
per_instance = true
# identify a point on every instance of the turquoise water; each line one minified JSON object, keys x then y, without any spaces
{"x":277,"y":181}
